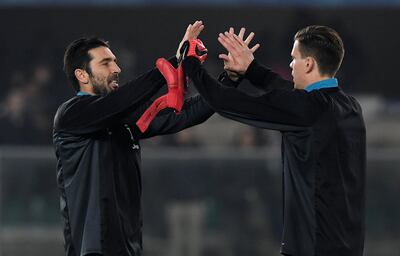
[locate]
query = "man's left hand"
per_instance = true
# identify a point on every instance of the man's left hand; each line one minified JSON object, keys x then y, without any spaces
{"x":239,"y":54}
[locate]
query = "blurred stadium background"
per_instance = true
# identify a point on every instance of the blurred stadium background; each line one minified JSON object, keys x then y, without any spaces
{"x":214,"y":189}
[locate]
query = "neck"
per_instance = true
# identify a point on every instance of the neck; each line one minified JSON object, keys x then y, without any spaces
{"x":87,"y":89}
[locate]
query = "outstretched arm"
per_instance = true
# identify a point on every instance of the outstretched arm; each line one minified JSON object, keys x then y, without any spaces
{"x":286,"y":107}
{"x":87,"y":114}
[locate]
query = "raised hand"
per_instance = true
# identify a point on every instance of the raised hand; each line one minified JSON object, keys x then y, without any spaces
{"x":192,"y":32}
{"x":233,"y":75}
{"x":239,"y":54}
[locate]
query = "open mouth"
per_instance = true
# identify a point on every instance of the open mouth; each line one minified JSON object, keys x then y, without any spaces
{"x":114,"y":84}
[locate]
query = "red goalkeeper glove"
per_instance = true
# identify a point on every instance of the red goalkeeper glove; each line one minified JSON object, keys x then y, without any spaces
{"x":173,"y":99}
{"x":195,"y":48}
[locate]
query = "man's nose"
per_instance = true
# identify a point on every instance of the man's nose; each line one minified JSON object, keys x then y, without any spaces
{"x":116,"y":68}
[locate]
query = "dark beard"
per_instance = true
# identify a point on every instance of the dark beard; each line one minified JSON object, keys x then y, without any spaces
{"x":99,"y":90}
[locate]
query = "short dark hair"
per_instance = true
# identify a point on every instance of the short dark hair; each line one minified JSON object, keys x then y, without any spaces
{"x":324,"y":44}
{"x":77,"y":56}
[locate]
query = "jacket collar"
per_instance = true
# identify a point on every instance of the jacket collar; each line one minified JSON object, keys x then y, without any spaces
{"x":83,"y":94}
{"x":327,"y":83}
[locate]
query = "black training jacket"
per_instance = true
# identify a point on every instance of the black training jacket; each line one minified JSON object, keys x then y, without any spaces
{"x":98,"y":164}
{"x":323,"y":154}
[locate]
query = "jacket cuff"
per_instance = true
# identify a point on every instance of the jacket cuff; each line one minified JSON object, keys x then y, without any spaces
{"x":225,"y":80}
{"x":254,"y":72}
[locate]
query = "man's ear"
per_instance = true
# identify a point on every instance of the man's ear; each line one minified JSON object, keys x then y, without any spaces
{"x":311,"y":64}
{"x":82,"y":76}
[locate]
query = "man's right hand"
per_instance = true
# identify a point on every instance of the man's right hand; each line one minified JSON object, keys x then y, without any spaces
{"x":195,"y":48}
{"x":192,"y":32}
{"x":239,"y":54}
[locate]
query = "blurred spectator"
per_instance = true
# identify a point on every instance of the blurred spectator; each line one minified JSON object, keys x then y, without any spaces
{"x":185,"y":138}
{"x":250,"y":137}
{"x":24,"y":112}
